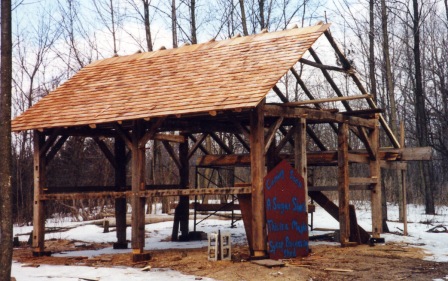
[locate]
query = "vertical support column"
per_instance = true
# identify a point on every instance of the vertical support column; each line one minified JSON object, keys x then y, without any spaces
{"x":375,"y":173}
{"x":183,"y":207}
{"x":257,"y":170}
{"x":300,"y":159}
{"x":39,"y":185}
{"x":138,"y":184}
{"x":343,"y":184}
{"x":120,"y":184}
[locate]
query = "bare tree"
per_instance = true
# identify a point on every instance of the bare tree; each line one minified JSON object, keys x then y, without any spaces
{"x":6,"y":231}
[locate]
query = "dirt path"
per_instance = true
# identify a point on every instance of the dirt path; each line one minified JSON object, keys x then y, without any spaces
{"x":381,"y":262}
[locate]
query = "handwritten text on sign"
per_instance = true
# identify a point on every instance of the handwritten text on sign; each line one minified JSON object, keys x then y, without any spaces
{"x":286,"y":216}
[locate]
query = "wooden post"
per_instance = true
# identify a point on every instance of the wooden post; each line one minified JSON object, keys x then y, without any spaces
{"x":257,"y":170}
{"x":300,"y":158}
{"x":343,"y":184}
{"x":38,"y":206}
{"x":403,"y":185}
{"x":184,"y":181}
{"x":120,"y":184}
{"x":375,"y":173}
{"x":138,"y":184}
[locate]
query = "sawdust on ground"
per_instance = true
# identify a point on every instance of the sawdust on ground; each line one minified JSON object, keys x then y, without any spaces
{"x":326,"y":262}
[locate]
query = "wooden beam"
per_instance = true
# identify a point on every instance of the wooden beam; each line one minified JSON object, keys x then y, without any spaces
{"x":375,"y":172}
{"x":323,"y":66}
{"x":280,"y":94}
{"x":170,"y":138}
{"x":300,"y":157}
{"x":148,"y":193}
{"x":124,"y":135}
{"x":242,"y":129}
{"x":347,"y":65}
{"x":201,"y":147}
{"x":287,"y":138}
{"x":151,"y":131}
{"x":332,"y":209}
{"x":315,"y":138}
{"x":257,"y":150}
{"x":221,"y":143}
{"x":346,"y":98}
{"x":319,"y":115}
{"x":39,"y":169}
{"x":243,"y":142}
{"x":120,"y":184}
{"x":196,"y":144}
{"x":55,"y":148}
{"x":138,"y":185}
{"x":103,"y":147}
{"x":171,"y":152}
{"x":49,"y":142}
{"x":343,"y":184}
{"x":363,"y":181}
{"x":270,"y":135}
{"x":335,"y":187}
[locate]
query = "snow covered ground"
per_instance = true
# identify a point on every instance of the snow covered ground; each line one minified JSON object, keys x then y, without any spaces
{"x":434,"y":244}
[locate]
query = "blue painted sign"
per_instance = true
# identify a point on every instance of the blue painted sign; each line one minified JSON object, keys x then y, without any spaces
{"x":286,"y":216}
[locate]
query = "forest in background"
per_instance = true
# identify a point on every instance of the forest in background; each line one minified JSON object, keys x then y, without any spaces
{"x":399,"y":49}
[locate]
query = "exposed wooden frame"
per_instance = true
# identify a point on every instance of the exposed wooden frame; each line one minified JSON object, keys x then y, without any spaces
{"x":124,"y":135}
{"x":151,"y":131}
{"x":323,"y":66}
{"x":279,"y":93}
{"x":196,"y":144}
{"x":171,"y":152}
{"x":120,"y":183}
{"x":107,"y":153}
{"x":300,"y":157}
{"x":54,"y":149}
{"x":375,"y":173}
{"x":270,"y":135}
{"x":316,"y":101}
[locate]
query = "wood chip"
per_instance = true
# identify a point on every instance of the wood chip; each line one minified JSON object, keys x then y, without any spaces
{"x":338,"y":269}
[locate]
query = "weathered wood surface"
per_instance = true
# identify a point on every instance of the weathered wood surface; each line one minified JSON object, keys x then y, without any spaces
{"x":314,"y":101}
{"x":38,"y":238}
{"x":343,"y":183}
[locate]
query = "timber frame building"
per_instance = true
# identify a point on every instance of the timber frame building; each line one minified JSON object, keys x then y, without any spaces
{"x":204,"y":90}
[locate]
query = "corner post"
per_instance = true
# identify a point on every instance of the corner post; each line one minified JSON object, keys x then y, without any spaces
{"x":300,"y":158}
{"x":257,"y":170}
{"x":184,"y":203}
{"x":343,"y":184}
{"x":138,"y":185}
{"x":38,"y":205}
{"x":375,"y":173}
{"x":120,"y":184}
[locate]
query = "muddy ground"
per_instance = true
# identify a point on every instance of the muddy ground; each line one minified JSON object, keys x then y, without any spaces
{"x":326,"y":262}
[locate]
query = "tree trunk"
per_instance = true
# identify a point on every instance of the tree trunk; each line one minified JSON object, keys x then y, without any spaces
{"x":261,"y":13}
{"x":243,"y":18}
{"x":174,"y":23}
{"x":6,"y":232}
{"x":147,"y":25}
{"x":194,"y":39}
{"x":420,"y":110}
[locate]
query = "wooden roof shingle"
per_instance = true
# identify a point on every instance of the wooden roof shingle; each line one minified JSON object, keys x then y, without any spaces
{"x":218,"y":75}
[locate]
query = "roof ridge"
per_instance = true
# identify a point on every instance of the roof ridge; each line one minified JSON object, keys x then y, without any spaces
{"x":263,"y":35}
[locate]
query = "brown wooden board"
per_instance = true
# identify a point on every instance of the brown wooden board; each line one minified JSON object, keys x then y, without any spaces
{"x":286,"y":216}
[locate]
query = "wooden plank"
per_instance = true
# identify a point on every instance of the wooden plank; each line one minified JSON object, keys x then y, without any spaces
{"x":257,"y":151}
{"x":269,"y":263}
{"x":287,"y":138}
{"x":335,"y":187}
{"x":343,"y":184}
{"x":323,"y":66}
{"x":317,"y":115}
{"x":347,"y":98}
{"x":338,"y":269}
{"x":245,"y":201}
{"x":270,"y":135}
{"x":38,"y":238}
{"x":201,"y":147}
{"x":375,"y":172}
{"x":138,"y":185}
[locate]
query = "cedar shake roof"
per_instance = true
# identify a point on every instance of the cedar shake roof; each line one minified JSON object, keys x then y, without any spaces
{"x":219,"y":75}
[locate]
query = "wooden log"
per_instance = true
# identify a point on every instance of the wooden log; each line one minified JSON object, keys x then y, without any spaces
{"x":323,"y":66}
{"x":39,"y":184}
{"x":280,"y":94}
{"x":270,"y":135}
{"x":170,"y":138}
{"x":197,"y":144}
{"x":54,"y":149}
{"x":257,"y":151}
{"x":343,"y":183}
